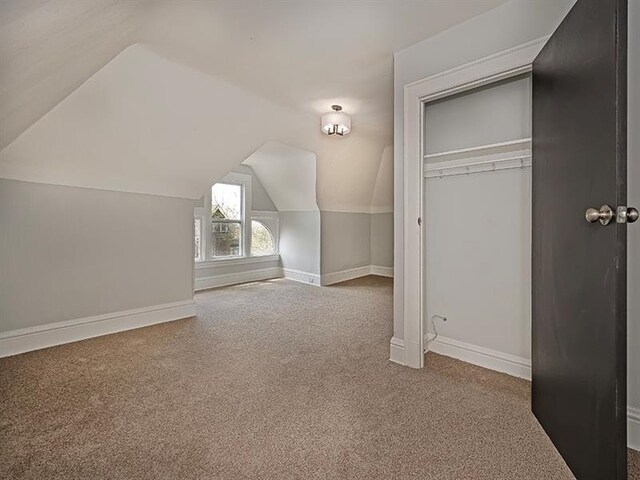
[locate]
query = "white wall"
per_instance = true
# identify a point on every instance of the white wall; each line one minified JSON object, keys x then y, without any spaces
{"x":222,"y":273}
{"x":509,"y":25}
{"x":346,"y":241}
{"x":224,"y":267}
{"x":354,"y":238}
{"x":382,"y":212}
{"x":69,"y":253}
{"x":300,"y":241}
{"x":382,"y":239}
{"x":491,"y":114}
{"x":382,"y":198}
{"x":260,"y":199}
{"x":288,"y":175}
{"x":479,"y":264}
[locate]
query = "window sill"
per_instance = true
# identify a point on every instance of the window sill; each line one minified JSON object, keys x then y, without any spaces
{"x":236,"y":261}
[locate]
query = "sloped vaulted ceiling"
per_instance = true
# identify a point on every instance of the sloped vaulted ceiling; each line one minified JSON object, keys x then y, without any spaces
{"x":166,"y":97}
{"x":146,"y":124}
{"x":49,"y":48}
{"x":288,"y":174}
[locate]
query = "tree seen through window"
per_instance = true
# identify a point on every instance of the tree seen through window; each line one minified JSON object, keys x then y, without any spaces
{"x":262,"y":242}
{"x":226,"y":220}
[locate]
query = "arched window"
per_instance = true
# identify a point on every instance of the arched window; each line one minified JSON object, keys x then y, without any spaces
{"x":262,"y":241}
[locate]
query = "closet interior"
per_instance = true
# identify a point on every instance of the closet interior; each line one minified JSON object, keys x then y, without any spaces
{"x":477,"y":214}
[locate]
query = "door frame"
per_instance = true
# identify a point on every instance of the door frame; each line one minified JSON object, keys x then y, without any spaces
{"x":409,"y":350}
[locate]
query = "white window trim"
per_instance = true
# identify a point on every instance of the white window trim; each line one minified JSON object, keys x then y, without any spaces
{"x":204,"y":213}
{"x":271,"y":220}
{"x":199,"y":217}
{"x":221,"y":262}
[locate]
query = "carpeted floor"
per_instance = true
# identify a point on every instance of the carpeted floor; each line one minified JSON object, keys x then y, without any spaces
{"x":272,"y":380}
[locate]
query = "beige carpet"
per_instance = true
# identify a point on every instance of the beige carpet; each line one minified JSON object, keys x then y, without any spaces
{"x":272,"y":380}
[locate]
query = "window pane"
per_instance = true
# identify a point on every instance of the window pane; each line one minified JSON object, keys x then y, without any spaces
{"x":226,"y":201}
{"x":262,"y":242}
{"x":197,"y":223}
{"x":226,"y":239}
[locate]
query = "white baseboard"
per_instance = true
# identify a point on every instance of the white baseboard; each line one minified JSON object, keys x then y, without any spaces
{"x":382,"y":271}
{"x":226,"y":279}
{"x":35,"y":338}
{"x":397,"y":352}
{"x":481,"y":356}
{"x":303,"y":277}
{"x":223,"y":280}
{"x":344,"y":275}
{"x":633,"y":428}
{"x":351,"y":273}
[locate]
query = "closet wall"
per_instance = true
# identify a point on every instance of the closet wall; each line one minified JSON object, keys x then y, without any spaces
{"x":478,"y":220}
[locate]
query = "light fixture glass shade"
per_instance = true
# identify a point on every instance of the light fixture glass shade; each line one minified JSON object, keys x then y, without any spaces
{"x":336,"y":123}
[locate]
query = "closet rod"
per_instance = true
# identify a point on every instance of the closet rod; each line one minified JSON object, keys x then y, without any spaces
{"x":479,"y":150}
{"x":441,"y":171}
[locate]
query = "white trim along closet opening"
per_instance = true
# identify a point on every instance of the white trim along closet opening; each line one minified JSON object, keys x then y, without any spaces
{"x":478,"y":134}
{"x":477,"y":225}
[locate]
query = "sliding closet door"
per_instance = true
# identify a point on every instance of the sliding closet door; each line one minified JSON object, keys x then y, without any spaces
{"x":579,"y":268}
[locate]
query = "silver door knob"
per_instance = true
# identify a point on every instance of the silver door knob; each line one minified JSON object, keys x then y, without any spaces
{"x":626,"y":215}
{"x":604,"y":215}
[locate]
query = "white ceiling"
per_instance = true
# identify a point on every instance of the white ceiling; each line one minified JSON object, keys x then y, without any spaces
{"x":166,"y":97}
{"x":48,"y":48}
{"x":305,"y":55}
{"x":288,"y":174}
{"x":145,"y":124}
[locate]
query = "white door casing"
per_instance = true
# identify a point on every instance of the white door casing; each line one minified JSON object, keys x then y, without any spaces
{"x":515,"y":61}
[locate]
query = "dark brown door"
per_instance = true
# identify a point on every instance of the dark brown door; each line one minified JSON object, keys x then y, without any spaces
{"x":579,"y":268}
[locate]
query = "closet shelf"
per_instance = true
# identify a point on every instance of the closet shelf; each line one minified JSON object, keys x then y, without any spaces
{"x":510,"y":147}
{"x":448,"y":169}
{"x":484,"y":158}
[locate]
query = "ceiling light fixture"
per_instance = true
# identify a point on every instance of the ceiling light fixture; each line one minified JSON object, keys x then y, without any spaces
{"x":336,"y":122}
